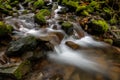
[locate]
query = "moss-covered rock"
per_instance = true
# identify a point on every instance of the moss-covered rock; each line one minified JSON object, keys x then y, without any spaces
{"x":18,"y":47}
{"x":98,"y":26}
{"x":85,"y":13}
{"x":38,"y":3}
{"x":40,"y":16}
{"x":44,"y":12}
{"x":109,"y":41}
{"x":67,"y":27}
{"x":5,"y":29}
{"x":80,"y":9}
{"x":16,"y":70}
{"x":22,"y":69}
{"x":72,"y":6}
{"x":40,"y":19}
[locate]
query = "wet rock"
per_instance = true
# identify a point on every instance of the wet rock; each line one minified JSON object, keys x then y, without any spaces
{"x":16,"y":48}
{"x":34,"y":55}
{"x":67,"y":27}
{"x":60,"y":35}
{"x":16,"y":70}
{"x":40,"y":16}
{"x":5,"y":29}
{"x":72,"y":45}
{"x":63,"y":10}
{"x":98,"y":26}
{"x":54,"y":38}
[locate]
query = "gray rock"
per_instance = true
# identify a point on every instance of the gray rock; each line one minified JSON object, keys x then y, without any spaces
{"x":18,"y":47}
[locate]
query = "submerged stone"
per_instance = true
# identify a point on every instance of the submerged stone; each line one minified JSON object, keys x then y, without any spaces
{"x":16,"y":70}
{"x":18,"y":47}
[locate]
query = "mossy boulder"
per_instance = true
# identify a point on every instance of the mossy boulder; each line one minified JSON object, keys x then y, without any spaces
{"x":40,"y":16}
{"x":98,"y":26}
{"x":72,"y":6}
{"x":67,"y":27}
{"x":5,"y":7}
{"x":5,"y":29}
{"x":18,"y":47}
{"x":109,"y":41}
{"x":38,"y":3}
{"x":16,"y":70}
{"x":80,"y":9}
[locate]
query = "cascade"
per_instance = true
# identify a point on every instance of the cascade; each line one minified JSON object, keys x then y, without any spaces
{"x":63,"y":54}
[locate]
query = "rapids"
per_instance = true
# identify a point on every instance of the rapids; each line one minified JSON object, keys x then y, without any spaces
{"x":24,"y":25}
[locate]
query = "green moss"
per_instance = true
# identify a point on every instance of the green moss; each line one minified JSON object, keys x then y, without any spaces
{"x":5,"y":29}
{"x":84,"y":13}
{"x":40,"y":16}
{"x":64,"y":1}
{"x":90,"y":9}
{"x":44,"y":12}
{"x":107,"y":10}
{"x":23,"y":68}
{"x":38,"y":3}
{"x":100,"y":26}
{"x":67,"y":27}
{"x":93,"y":3}
{"x":66,"y":24}
{"x":80,"y":8}
{"x":113,"y":21}
{"x":72,"y":5}
{"x":109,"y":41}
{"x":8,"y":6}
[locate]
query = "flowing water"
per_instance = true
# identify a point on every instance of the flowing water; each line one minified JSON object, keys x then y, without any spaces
{"x":24,"y":25}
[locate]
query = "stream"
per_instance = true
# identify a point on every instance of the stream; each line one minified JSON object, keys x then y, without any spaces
{"x":66,"y":62}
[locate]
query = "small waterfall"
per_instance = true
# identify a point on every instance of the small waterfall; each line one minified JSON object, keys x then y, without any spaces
{"x":24,"y":25}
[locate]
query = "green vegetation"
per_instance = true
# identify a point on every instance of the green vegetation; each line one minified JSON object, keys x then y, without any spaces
{"x":38,"y":3}
{"x":100,"y":26}
{"x":5,"y":29}
{"x":67,"y":27}
{"x":40,"y":16}
{"x":72,"y":5}
{"x":23,"y":68}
